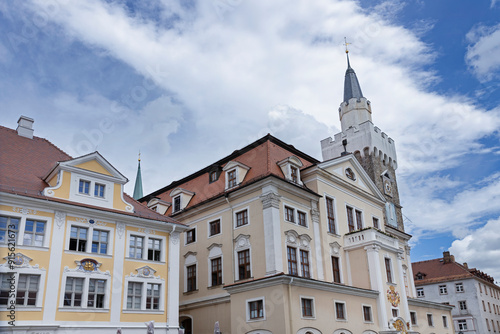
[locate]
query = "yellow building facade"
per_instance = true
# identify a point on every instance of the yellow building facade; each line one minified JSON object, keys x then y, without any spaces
{"x":78,"y":255}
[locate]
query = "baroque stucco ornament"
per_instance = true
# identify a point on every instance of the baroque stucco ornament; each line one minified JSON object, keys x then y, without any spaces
{"x":393,"y":297}
{"x":400,"y":326}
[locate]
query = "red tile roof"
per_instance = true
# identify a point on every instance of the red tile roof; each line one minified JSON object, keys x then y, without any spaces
{"x":25,"y":162}
{"x":261,"y":156}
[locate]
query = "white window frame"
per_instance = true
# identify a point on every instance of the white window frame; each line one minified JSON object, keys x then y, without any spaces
{"x":195,"y":236}
{"x":363,"y":313}
{"x":104,"y":189}
{"x":460,"y":306}
{"x":397,"y":312}
{"x":25,"y":271}
{"x":80,"y":180}
{"x":180,"y":203}
{"x":443,"y":289}
{"x":459,"y":288}
{"x":208,"y":227}
{"x":247,"y":303}
{"x":337,"y":255}
{"x":416,"y":318}
{"x":144,"y":281}
{"x":335,"y":214}
{"x":462,"y":324}
{"x":431,"y":318}
{"x":335,"y":310}
{"x":445,"y":320}
{"x":92,"y":186}
{"x":235,"y":170}
{"x":295,"y":215}
{"x":145,"y":244}
{"x":237,"y":249}
{"x":420,"y":289}
{"x":22,"y":227}
{"x":235,"y":217}
{"x":88,"y":247}
{"x":86,"y":279}
{"x":393,"y":281}
{"x":191,"y":260}
{"x":379,"y":222}
{"x":355,"y":221}
{"x":214,"y":253}
{"x":313,"y":307}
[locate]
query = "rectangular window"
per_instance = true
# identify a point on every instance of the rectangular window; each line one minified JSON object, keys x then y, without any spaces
{"x":304,"y":263}
{"x":99,"y":190}
{"x":177,"y":203}
{"x":484,"y":306}
{"x":462,"y":324}
{"x":5,"y":287}
{"x":99,"y":242}
{"x":136,"y":246}
{"x":241,"y":218}
{"x":340,"y":311}
{"x":302,"y":218}
{"x":84,"y":187}
{"x":256,"y":309}
{"x":154,"y":249}
{"x":375,"y":223}
{"x":8,"y":225}
{"x":96,"y":293}
{"x":289,"y":214}
{"x":213,"y":177}
{"x":359,"y":220}
{"x":190,"y":236}
{"x":331,"y":215}
{"x":395,"y":312}
{"x":489,"y":307}
{"x":443,"y":290}
{"x":231,"y":179}
{"x":487,"y":322}
{"x":388,"y":270}
{"x":445,"y":321}
{"x":73,"y":292}
{"x":430,"y":321}
{"x":216,"y":265}
{"x":307,"y":307}
{"x":153,"y":296}
{"x":34,"y":232}
{"x":462,"y":305}
{"x":367,"y":313}
{"x":413,"y":318}
{"x":336,"y":269}
{"x":294,"y":173}
{"x":292,"y":260}
{"x":214,"y":227}
{"x":27,"y":289}
{"x":420,"y":292}
{"x":134,"y":295}
{"x":459,"y":287}
{"x":350,"y":219}
{"x":244,"y":264}
{"x":78,"y":239}
{"x":191,"y":278}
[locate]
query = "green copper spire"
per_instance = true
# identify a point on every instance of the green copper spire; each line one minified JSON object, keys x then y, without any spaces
{"x":138,"y":182}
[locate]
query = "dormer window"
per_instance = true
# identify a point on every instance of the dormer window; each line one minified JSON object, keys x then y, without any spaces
{"x":99,"y":190}
{"x":291,"y":169}
{"x":177,"y":203}
{"x":213,"y":177}
{"x":84,"y":187}
{"x":235,"y":173}
{"x":231,"y":178}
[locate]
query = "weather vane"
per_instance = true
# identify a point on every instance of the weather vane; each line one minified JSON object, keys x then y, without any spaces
{"x":346,"y":44}
{"x":139,"y":155}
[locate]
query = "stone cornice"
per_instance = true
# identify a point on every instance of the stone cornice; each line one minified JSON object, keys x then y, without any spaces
{"x":429,"y":304}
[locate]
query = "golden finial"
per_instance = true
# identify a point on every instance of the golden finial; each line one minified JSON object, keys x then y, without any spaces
{"x":139,"y":155}
{"x":346,"y":44}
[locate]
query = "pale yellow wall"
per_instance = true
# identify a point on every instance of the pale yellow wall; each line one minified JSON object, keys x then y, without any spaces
{"x":359,"y":269}
{"x":94,"y":166}
{"x":118,"y":203}
{"x":203,"y":318}
{"x":422,"y":324}
{"x":63,"y":190}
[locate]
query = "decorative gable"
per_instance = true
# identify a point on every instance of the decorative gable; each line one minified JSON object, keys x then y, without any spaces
{"x":89,"y":179}
{"x":158,"y":205}
{"x":291,"y":169}
{"x":235,"y":173}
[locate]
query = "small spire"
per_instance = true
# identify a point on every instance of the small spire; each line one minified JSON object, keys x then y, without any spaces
{"x":138,"y":181}
{"x":351,"y":84}
{"x":347,"y":52}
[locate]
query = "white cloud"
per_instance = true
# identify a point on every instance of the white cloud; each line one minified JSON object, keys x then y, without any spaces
{"x":481,"y":248}
{"x":482,"y":53}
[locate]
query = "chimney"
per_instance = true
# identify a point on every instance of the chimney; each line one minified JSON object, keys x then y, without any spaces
{"x":25,"y":127}
{"x":465,"y":265}
{"x":447,"y":258}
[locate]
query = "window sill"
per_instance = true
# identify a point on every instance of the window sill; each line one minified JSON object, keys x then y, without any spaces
{"x":143,"y":311}
{"x":391,"y":284}
{"x":23,"y":308}
{"x":81,"y":309}
{"x":244,"y":280}
{"x":143,"y":261}
{"x":215,"y":286}
{"x":333,"y":234}
{"x":308,"y":317}
{"x":190,"y":292}
{"x":341,"y":320}
{"x":105,"y":256}
{"x":256,"y":319}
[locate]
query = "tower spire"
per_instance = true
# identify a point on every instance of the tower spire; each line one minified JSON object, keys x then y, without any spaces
{"x":352,"y":89}
{"x":138,"y":181}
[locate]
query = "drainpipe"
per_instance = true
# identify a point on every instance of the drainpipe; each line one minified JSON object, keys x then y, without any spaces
{"x":290,"y":306}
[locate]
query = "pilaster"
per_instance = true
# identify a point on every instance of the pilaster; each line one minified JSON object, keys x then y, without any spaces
{"x":272,"y":230}
{"x":173,"y":282}
{"x":404,"y":298}
{"x":318,"y":247}
{"x":376,"y":282}
{"x":118,"y":280}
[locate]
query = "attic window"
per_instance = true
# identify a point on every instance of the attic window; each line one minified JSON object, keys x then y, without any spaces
{"x":294,"y":171}
{"x":291,"y":169}
{"x":231,"y":178}
{"x":419,"y":276}
{"x":213,"y":177}
{"x":177,"y":203}
{"x":84,"y":187}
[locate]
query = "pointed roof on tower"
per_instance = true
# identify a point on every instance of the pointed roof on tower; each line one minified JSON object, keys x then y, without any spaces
{"x":138,"y":182}
{"x":352,"y":89}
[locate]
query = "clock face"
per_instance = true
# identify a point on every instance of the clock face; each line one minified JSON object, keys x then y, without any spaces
{"x":18,"y":260}
{"x":387,"y":188}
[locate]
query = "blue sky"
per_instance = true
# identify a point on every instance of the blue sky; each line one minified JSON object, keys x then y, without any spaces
{"x":189,"y":82}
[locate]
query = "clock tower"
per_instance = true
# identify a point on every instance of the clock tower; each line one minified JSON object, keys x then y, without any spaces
{"x":373,"y":148}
